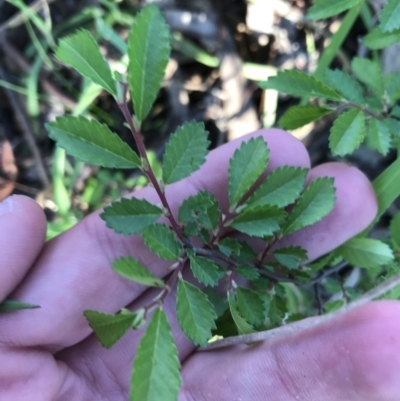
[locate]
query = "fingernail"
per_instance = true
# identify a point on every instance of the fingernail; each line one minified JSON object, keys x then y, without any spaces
{"x":6,"y":206}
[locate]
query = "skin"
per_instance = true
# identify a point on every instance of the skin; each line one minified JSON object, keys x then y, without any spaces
{"x":49,"y":354}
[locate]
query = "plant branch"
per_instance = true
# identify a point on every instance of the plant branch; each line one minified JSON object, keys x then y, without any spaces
{"x":149,"y":171}
{"x":366,"y":111}
{"x":306,"y":324}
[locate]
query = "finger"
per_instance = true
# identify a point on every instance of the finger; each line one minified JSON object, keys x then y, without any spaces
{"x":355,"y":208}
{"x":74,"y":273}
{"x":22,"y":234}
{"x":355,"y":357}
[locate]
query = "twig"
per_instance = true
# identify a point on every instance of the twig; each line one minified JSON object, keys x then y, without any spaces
{"x":306,"y":324}
{"x":23,"y":121}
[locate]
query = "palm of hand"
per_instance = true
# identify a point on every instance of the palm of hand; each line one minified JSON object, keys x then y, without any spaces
{"x":49,"y":354}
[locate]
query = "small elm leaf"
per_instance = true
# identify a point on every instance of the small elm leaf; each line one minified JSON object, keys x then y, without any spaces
{"x":80,"y":51}
{"x":92,"y":142}
{"x":317,"y":200}
{"x":206,"y":271}
{"x":185,"y":152}
{"x":298,"y":116}
{"x":155,"y":374}
{"x":347,"y":133}
{"x":130,"y":216}
{"x":376,"y":39}
{"x":366,"y":252}
{"x":379,"y":137}
{"x":250,"y":306}
{"x":290,"y":256}
{"x":195,"y":313}
{"x":162,"y":241}
{"x":245,"y":167}
{"x":259,"y":221}
{"x":300,"y":84}
{"x":242,"y":325}
{"x":281,"y":188}
{"x":133,"y":270}
{"x":109,"y":328}
{"x":148,"y":52}
{"x":343,"y":83}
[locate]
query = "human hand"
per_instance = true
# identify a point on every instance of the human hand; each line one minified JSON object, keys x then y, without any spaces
{"x":50,"y":354}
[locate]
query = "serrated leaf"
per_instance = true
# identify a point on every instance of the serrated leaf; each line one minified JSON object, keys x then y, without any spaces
{"x":92,"y":142}
{"x":277,"y":310}
{"x":250,"y":306}
{"x":297,"y":116}
{"x":376,"y":39}
{"x":185,"y":152}
{"x":195,"y":313}
{"x":317,"y":200}
{"x":219,"y":303}
{"x":133,"y":270}
{"x":130,"y":216}
{"x":395,"y":230}
{"x":390,"y":16}
{"x":347,"y":133}
{"x":148,"y":52}
{"x":230,"y":246}
{"x":202,"y":208}
{"x":291,"y":256}
{"x":81,"y":51}
{"x":393,"y":126}
{"x":259,"y":221}
{"x":242,"y":325}
{"x":281,"y":188}
{"x":392,"y":87}
{"x":162,"y":241}
{"x":249,"y":272}
{"x":366,"y":252}
{"x":300,"y":84}
{"x":206,"y":271}
{"x":155,"y":374}
{"x":245,"y":167}
{"x":343,"y":83}
{"x":328,"y":8}
{"x":107,"y":327}
{"x":368,"y":72}
{"x":379,"y":136}
{"x":9,"y":305}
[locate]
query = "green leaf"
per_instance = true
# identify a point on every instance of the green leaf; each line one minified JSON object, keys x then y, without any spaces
{"x":390,"y":16}
{"x":281,"y":188}
{"x":242,"y":325}
{"x":155,"y":375}
{"x":393,"y":126}
{"x":366,"y":252}
{"x":297,"y":116}
{"x":259,"y":221}
{"x":328,"y":8}
{"x":148,"y":52}
{"x":110,"y":328}
{"x":395,"y":230}
{"x":316,"y":202}
{"x":185,"y":152}
{"x":130,"y":216}
{"x":392,"y":87}
{"x":230,"y":247}
{"x":202,"y":208}
{"x":195,"y":313}
{"x":368,"y":72}
{"x":219,"y":303}
{"x":291,"y":256}
{"x":379,"y":136}
{"x":81,"y":51}
{"x":9,"y":305}
{"x":300,"y":84}
{"x":162,"y":241}
{"x":245,"y":167}
{"x":343,"y":83}
{"x":250,"y":306}
{"x":376,"y":39}
{"x":206,"y":271}
{"x":92,"y":142}
{"x":249,"y":272}
{"x":277,"y":310}
{"x":347,"y":133}
{"x":133,"y":270}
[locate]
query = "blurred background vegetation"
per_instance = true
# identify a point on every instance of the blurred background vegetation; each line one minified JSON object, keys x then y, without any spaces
{"x":221,"y":49}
